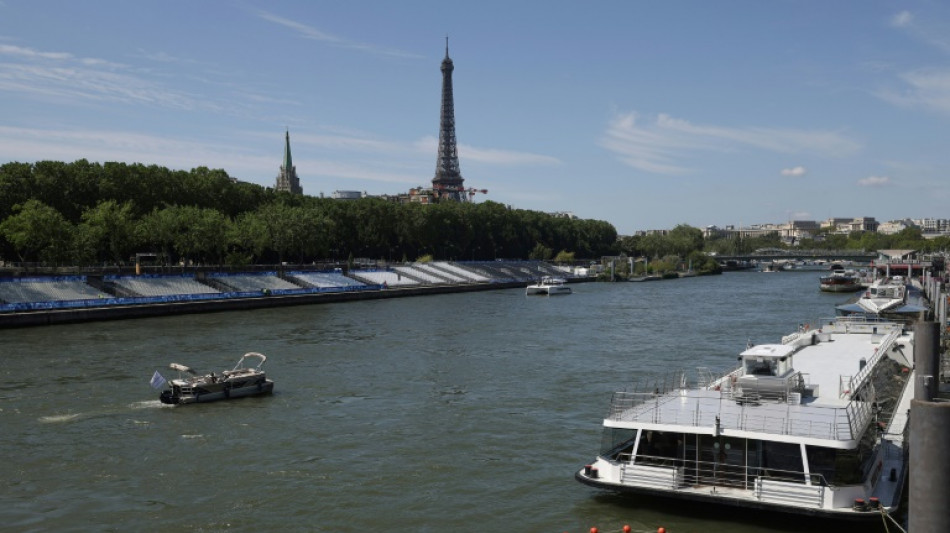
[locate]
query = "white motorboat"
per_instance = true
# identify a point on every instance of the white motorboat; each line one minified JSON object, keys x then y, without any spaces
{"x":238,"y":382}
{"x":549,"y":286}
{"x":840,"y":281}
{"x":884,"y":294}
{"x":814,"y":425}
{"x":891,"y":298}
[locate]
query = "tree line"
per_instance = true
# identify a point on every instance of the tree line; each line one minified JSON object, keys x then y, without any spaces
{"x":683,"y":240}
{"x":84,"y":213}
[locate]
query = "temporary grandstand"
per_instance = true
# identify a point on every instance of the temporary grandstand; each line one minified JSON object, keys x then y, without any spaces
{"x":324,"y":280}
{"x":22,"y":290}
{"x":75,"y":292}
{"x":159,"y":285}
{"x":263,"y":281}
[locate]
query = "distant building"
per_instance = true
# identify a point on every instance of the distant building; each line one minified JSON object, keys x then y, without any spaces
{"x":348,"y":195}
{"x":933,"y":226}
{"x":848,"y":225}
{"x":895,"y":226}
{"x":447,"y":183}
{"x":834,"y":223}
{"x":287,"y":179}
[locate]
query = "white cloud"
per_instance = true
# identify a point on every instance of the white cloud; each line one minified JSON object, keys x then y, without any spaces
{"x":902,"y":19}
{"x":309,"y":32}
{"x":874,"y":181}
{"x":794,"y":171}
{"x":928,"y":88}
{"x":64,"y":78}
{"x":663,"y":146}
{"x":930,"y":29}
{"x":31,"y":54}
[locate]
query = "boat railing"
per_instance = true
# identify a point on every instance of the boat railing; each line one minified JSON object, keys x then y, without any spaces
{"x":767,"y":484}
{"x":858,"y":379}
{"x":836,"y":423}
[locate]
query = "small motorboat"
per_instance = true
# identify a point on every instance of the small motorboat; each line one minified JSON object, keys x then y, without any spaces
{"x":549,"y":286}
{"x":245,"y":379}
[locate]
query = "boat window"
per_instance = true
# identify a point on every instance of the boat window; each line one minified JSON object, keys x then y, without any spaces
{"x":761,"y":367}
{"x":616,"y":440}
{"x":660,"y":447}
{"x":782,"y":460}
{"x":821,"y":463}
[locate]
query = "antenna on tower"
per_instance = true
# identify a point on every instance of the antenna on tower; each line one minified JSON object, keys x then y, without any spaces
{"x":446,"y":45}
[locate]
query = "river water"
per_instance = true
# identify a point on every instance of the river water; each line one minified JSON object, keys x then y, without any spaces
{"x":460,"y":412}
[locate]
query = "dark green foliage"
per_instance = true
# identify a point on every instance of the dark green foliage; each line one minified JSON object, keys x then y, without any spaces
{"x":90,"y":213}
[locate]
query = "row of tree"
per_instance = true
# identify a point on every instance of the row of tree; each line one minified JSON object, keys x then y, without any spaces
{"x":89,"y":213}
{"x":683,"y":239}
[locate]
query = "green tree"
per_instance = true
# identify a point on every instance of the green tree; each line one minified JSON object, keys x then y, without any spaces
{"x":107,"y":230}
{"x":38,"y":232}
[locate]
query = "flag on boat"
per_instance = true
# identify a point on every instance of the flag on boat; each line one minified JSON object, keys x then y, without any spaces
{"x":158,"y":381}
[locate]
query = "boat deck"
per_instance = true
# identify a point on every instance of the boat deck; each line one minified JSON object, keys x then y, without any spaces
{"x":831,"y":368}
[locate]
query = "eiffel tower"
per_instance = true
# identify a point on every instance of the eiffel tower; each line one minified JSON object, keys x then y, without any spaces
{"x":448,"y":183}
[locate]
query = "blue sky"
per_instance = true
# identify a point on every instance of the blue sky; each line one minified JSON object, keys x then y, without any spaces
{"x":644,"y":114}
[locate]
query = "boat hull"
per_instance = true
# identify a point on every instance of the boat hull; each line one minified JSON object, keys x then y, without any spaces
{"x":717,"y":498}
{"x":841,"y":287}
{"x":217,"y":393}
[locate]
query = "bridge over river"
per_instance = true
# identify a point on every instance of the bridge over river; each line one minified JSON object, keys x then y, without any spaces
{"x":857,"y":256}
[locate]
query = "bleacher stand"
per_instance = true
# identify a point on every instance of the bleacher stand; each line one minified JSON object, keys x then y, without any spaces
{"x":413,"y":272}
{"x":385,"y":277}
{"x":41,"y":290}
{"x":465,"y":274}
{"x":161,"y":285}
{"x":443,"y":275}
{"x":326,"y":280}
{"x":253,"y":282}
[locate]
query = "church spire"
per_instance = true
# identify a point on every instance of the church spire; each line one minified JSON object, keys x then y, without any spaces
{"x":287,"y":180}
{"x":288,"y":162}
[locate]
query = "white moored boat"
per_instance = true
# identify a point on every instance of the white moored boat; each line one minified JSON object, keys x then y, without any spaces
{"x":887,"y":298}
{"x":549,"y":286}
{"x":238,"y":382}
{"x":814,"y":425}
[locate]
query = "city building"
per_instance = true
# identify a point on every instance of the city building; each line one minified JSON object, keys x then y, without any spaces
{"x":933,"y":226}
{"x":287,"y":180}
{"x":895,"y":226}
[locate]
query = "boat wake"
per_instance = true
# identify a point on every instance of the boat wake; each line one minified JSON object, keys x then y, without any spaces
{"x":57,"y":419}
{"x":149,"y":404}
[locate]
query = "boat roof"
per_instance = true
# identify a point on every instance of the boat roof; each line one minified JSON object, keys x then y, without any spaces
{"x":769,"y":351}
{"x":828,"y":367}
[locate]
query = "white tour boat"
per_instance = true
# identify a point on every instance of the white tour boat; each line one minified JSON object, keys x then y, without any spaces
{"x":889,"y":298}
{"x":235,"y":383}
{"x":814,"y":425}
{"x":550,"y":286}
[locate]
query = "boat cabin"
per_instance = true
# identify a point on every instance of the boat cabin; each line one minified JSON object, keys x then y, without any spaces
{"x":766,"y":370}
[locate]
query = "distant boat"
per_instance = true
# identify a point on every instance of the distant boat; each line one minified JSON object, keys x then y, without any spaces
{"x":549,"y":286}
{"x":840,"y":281}
{"x":235,"y":383}
{"x":888,"y":298}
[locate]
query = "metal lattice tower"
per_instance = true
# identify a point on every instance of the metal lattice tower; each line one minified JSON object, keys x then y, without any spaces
{"x":448,"y":183}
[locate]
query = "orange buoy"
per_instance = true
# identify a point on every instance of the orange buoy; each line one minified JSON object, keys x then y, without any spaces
{"x":661,"y":530}
{"x":593,"y":530}
{"x":626,"y":529}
